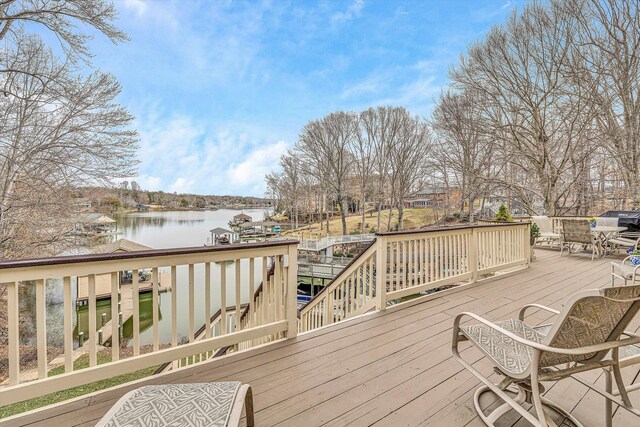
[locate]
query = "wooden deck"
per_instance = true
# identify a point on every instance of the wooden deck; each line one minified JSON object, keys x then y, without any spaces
{"x":386,"y":369}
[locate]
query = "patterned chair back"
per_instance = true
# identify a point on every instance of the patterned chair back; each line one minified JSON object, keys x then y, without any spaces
{"x":591,"y":317}
{"x":576,"y":231}
{"x":543,"y":223}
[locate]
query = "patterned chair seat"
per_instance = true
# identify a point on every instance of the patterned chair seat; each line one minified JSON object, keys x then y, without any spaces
{"x":629,"y":351}
{"x":204,"y":404}
{"x":510,"y":356}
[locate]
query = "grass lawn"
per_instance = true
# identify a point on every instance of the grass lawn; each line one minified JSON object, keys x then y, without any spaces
{"x":413,"y":218}
{"x":80,"y":363}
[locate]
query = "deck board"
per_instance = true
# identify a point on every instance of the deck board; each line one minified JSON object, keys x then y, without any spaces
{"x":386,"y":369}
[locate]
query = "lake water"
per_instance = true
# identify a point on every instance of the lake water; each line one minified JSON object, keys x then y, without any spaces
{"x":166,"y":229}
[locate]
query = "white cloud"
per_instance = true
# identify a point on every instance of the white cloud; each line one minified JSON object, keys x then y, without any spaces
{"x":251,"y":172}
{"x":375,"y":83}
{"x":181,"y":185}
{"x":138,"y":6}
{"x":153,"y":183}
{"x":179,"y":154}
{"x":353,"y":11}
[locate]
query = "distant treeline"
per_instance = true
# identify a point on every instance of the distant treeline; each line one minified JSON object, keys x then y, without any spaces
{"x":129,"y":195}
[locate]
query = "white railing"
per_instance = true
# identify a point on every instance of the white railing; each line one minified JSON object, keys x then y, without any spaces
{"x":556,"y":221}
{"x":401,"y":264}
{"x":352,"y":292}
{"x":273,"y":315}
{"x":325,"y":242}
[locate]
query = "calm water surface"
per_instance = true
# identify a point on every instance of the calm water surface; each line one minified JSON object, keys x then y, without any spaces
{"x":168,"y":229}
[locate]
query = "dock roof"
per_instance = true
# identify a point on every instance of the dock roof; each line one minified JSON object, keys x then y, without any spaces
{"x":219,"y":231}
{"x":122,"y":245}
{"x":95,"y":218}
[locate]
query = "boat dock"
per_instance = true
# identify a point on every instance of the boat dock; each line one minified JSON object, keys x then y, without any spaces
{"x":103,"y":287}
{"x":126,"y":302}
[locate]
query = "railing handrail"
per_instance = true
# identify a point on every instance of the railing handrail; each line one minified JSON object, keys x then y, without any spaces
{"x":441,"y":229}
{"x":151,"y":253}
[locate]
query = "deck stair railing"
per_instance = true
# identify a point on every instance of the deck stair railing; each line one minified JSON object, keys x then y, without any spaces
{"x":400,"y":264}
{"x":250,"y":314}
{"x":273,"y":316}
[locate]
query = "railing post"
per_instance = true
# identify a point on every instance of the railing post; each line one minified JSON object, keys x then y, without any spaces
{"x":381,"y":273}
{"x":328,"y":309}
{"x":292,"y":292}
{"x":473,"y":255}
{"x":13,"y":313}
{"x":527,"y":245}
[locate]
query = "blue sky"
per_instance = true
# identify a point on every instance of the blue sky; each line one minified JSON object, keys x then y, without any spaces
{"x":220,"y":89}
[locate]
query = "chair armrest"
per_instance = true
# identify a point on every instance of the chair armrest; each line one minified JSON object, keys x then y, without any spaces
{"x":626,"y":261}
{"x":541,"y":307}
{"x":631,"y":334}
{"x":541,"y":347}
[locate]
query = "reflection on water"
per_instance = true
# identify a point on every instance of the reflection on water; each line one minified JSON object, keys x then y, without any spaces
{"x":157,"y":230}
{"x":172,"y":229}
{"x":146,"y":318}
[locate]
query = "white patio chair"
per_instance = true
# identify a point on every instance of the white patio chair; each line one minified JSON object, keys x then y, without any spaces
{"x":625,"y":271}
{"x":216,"y":404}
{"x":626,"y":240}
{"x":547,"y":235}
{"x":589,"y":327}
{"x":577,"y":232}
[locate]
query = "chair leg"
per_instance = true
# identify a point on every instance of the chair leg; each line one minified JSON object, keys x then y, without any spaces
{"x":248,"y":408}
{"x":608,"y":405}
{"x":535,"y":395}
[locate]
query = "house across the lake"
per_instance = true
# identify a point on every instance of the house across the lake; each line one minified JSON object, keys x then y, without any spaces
{"x":432,"y":198}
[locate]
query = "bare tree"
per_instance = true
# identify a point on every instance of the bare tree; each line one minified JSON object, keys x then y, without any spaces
{"x":291,"y":184}
{"x":609,"y":41}
{"x":64,"y":20}
{"x":388,"y":123}
{"x":363,"y":147}
{"x":408,"y":158}
{"x":539,"y":115}
{"x":325,"y":145}
{"x":56,"y":134}
{"x":462,"y":147}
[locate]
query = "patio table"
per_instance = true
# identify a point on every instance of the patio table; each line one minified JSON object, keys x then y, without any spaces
{"x":604,"y":233}
{"x":607,"y":229}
